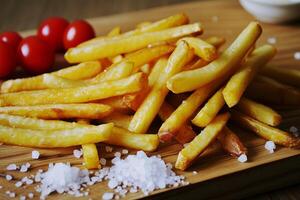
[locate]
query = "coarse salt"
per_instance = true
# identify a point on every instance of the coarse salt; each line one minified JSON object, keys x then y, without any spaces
{"x":103,"y":161}
{"x":35,"y":155}
{"x":270,"y":146}
{"x":12,"y":167}
{"x":8,"y":177}
{"x":77,"y":153}
{"x":108,"y":196}
{"x":1,"y":186}
{"x":117,"y":154}
{"x":194,"y":172}
{"x":297,"y":55}
{"x":25,"y":167}
{"x":124,"y":151}
{"x":18,"y":184}
{"x":293,"y":129}
{"x":272,"y":40}
{"x":242,"y":158}
{"x":12,"y":195}
{"x":22,"y":197}
{"x":30,"y":195}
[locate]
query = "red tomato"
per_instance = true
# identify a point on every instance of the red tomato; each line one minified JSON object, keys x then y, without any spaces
{"x":7,"y":59}
{"x":51,"y":31}
{"x":11,"y":38}
{"x":77,"y":32}
{"x":35,"y":55}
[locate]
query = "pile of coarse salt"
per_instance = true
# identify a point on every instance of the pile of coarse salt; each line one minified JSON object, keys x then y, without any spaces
{"x":141,"y":172}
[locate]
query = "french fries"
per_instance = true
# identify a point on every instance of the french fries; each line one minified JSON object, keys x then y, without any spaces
{"x":103,"y":90}
{"x":268,"y":90}
{"x":57,"y":138}
{"x":231,"y":143}
{"x":90,"y":156}
{"x":189,"y":153}
{"x":265,"y":131}
{"x":125,"y":138}
{"x":238,"y":83}
{"x":209,"y":110}
{"x":259,"y":112}
{"x":81,"y":71}
{"x":202,"y":49}
{"x":184,"y":135}
{"x":115,"y":46}
{"x":117,"y":103}
{"x":232,"y":56}
{"x":60,"y":111}
{"x":287,"y":76}
{"x":149,"y":108}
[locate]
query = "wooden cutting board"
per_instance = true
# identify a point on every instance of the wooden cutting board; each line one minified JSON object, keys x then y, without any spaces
{"x":219,"y":176}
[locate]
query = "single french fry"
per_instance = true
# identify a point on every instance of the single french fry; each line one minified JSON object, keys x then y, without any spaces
{"x":186,"y":109}
{"x":259,"y":112}
{"x":60,"y":111}
{"x":34,"y":123}
{"x":119,"y":119}
{"x":116,"y":71}
{"x":51,"y":81}
{"x":210,"y":110}
{"x":90,"y":156}
{"x":231,"y":143}
{"x":184,"y":135}
{"x":123,"y":137}
{"x":238,"y":83}
{"x":189,"y":153}
{"x":149,"y":108}
{"x":115,"y":46}
{"x":265,"y":131}
{"x":284,"y":75}
{"x":232,"y":56}
{"x":78,"y":72}
{"x":103,"y":90}
{"x":156,"y":70}
{"x":117,"y":103}
{"x":202,"y":48}
{"x":215,"y":41}
{"x":146,"y":55}
{"x":268,"y":90}
{"x":55,"y":138}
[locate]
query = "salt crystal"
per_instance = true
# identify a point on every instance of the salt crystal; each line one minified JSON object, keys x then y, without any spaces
{"x":22,"y":197}
{"x":11,"y":167}
{"x":107,"y":196}
{"x":18,"y":184}
{"x":297,"y":55}
{"x":194,"y":172}
{"x":270,"y":146}
{"x":7,"y":192}
{"x":293,"y":129}
{"x":242,"y":158}
{"x":103,"y":161}
{"x":30,"y":195}
{"x":117,"y":154}
{"x":24,"y":168}
{"x":12,"y":195}
{"x":124,"y":151}
{"x":27,"y":164}
{"x":35,"y":154}
{"x":8,"y":177}
{"x":1,"y":186}
{"x":77,"y":153}
{"x":272,"y":40}
{"x":108,"y":149}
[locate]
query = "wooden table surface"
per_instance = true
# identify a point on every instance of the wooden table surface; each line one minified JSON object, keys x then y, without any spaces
{"x":20,"y":15}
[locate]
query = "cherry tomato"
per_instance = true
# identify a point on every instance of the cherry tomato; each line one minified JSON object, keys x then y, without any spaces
{"x":7,"y":59}
{"x":77,"y":32}
{"x":11,"y":38}
{"x":51,"y":31}
{"x":35,"y":55}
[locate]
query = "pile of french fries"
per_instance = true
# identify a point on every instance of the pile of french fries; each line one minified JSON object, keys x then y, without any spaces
{"x":121,"y":82}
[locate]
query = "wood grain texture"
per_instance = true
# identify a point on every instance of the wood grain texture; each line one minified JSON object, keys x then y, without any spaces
{"x":216,"y":178}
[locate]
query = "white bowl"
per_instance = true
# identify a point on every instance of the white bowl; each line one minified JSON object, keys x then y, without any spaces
{"x":273,"y":11}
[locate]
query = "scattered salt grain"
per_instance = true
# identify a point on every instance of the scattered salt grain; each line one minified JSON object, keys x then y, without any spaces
{"x":18,"y":184}
{"x":117,"y":154}
{"x":63,"y":178}
{"x":35,"y":155}
{"x":272,"y":40}
{"x":124,"y":151}
{"x":242,"y":158}
{"x":297,"y":55}
{"x":108,"y":196}
{"x":77,"y":153}
{"x":103,"y":161}
{"x":194,"y":172}
{"x":108,"y":149}
{"x":12,"y":167}
{"x":8,"y":177}
{"x":270,"y":146}
{"x":30,"y":195}
{"x":293,"y":129}
{"x":11,"y":194}
{"x":22,"y":197}
{"x":25,"y":167}
{"x":1,"y":186}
